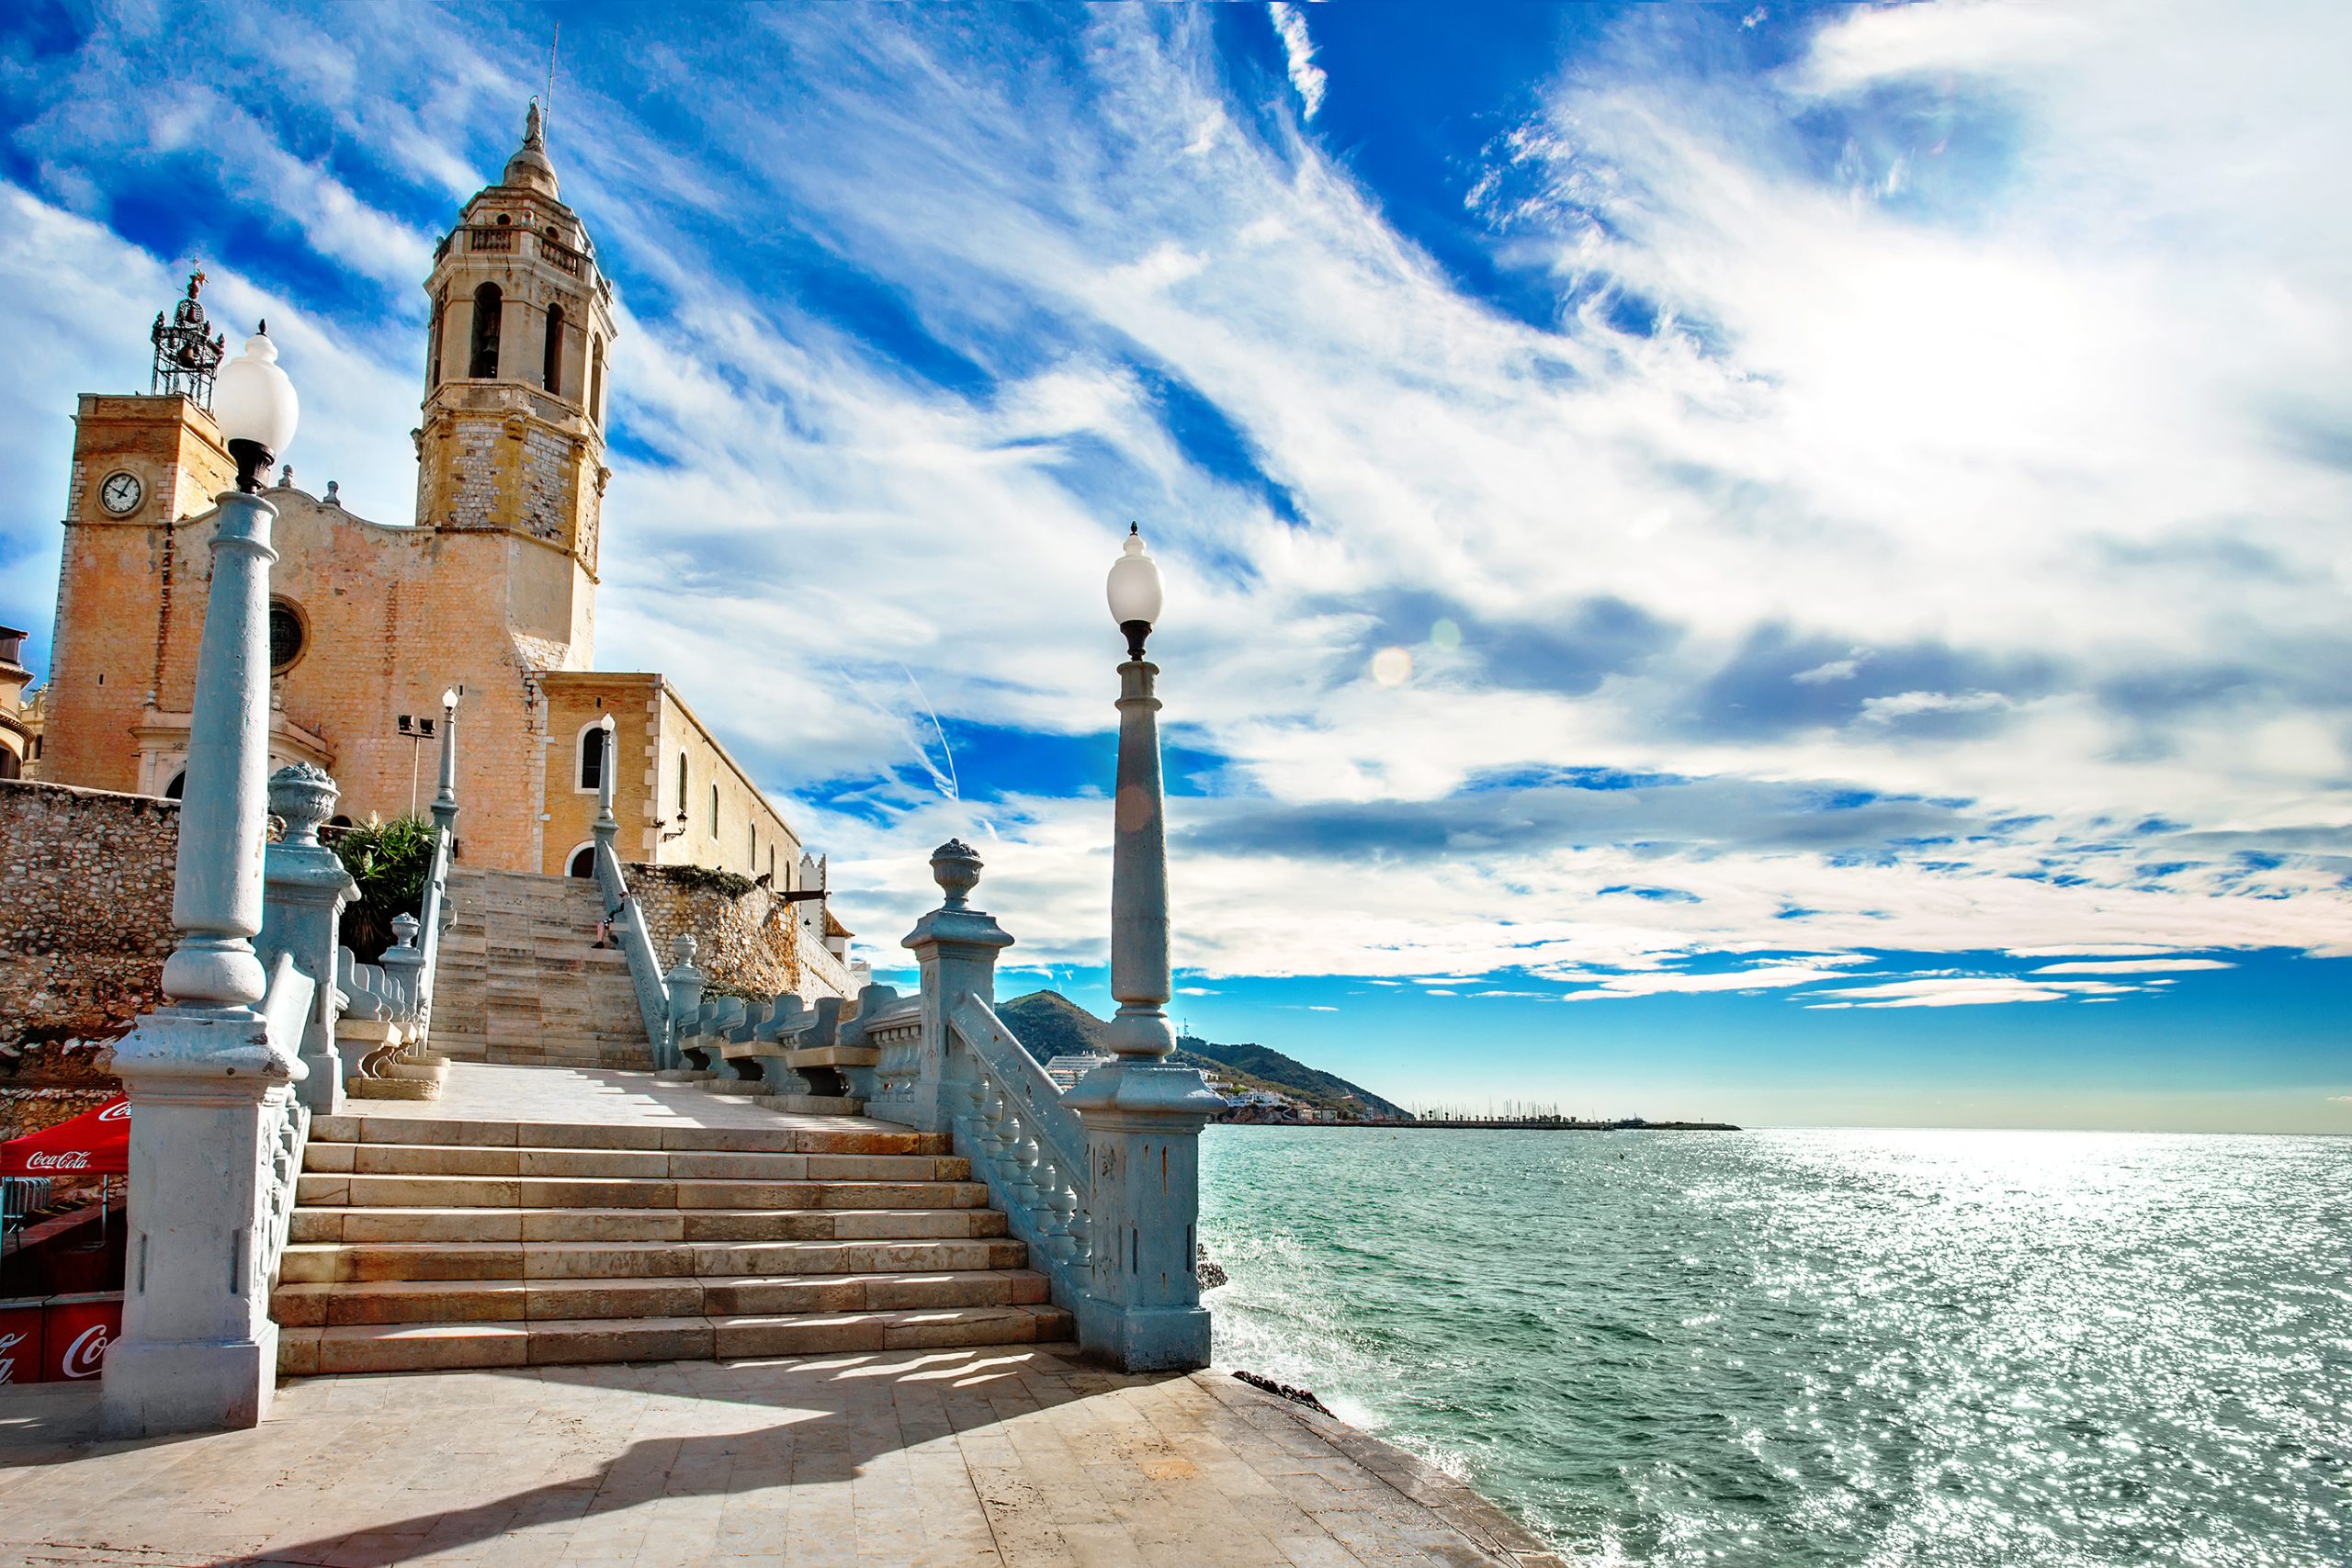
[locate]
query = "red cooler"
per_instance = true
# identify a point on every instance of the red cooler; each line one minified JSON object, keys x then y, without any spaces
{"x":20,"y":1340}
{"x":77,"y":1336}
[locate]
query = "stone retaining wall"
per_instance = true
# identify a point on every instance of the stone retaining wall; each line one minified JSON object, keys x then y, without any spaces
{"x":750,"y":944}
{"x":85,"y":910}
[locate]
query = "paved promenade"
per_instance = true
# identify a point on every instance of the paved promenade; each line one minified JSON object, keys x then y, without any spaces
{"x":914,"y":1458}
{"x":1012,"y":1455}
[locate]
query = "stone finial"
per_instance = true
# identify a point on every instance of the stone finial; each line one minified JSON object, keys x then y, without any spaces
{"x":956,"y":870}
{"x":333,"y":496}
{"x":682,"y":948}
{"x":303,"y":795}
{"x":404,"y":930}
{"x":286,"y":476}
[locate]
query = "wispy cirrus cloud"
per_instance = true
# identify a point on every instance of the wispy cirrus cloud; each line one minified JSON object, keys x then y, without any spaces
{"x":1801,"y":554}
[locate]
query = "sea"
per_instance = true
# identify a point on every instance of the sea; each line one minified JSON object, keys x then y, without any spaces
{"x":1778,"y":1349}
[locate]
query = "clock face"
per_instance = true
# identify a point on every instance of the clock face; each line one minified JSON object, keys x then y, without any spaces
{"x":120,"y":492}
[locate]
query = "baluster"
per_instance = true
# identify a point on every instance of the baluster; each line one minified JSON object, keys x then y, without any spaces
{"x":1050,"y":1224}
{"x":1081,"y":1231}
{"x":993,"y":1115}
{"x":1022,"y":1155}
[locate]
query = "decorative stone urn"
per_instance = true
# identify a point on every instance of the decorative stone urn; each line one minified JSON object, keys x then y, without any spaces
{"x":956,"y":869}
{"x":304,"y":795}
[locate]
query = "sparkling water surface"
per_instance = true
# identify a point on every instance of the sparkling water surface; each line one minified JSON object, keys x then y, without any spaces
{"x":1822,"y":1347}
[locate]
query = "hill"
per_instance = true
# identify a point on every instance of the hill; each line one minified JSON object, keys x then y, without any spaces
{"x":1050,"y":1025}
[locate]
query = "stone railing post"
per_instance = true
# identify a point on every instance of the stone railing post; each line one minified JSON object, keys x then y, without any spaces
{"x":1143,"y":1115}
{"x":208,"y":1084}
{"x":956,"y":947}
{"x":305,"y":889}
{"x":685,"y":984}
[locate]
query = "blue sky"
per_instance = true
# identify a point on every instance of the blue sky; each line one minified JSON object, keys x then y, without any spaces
{"x":1782,"y":564}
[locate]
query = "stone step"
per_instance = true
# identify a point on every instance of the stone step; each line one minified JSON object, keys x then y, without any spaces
{"x":385,"y":1347}
{"x":324,"y":1263}
{"x":516,"y":1226}
{"x":644,"y":1164}
{"x":626,"y":1193}
{"x":783,"y":1139}
{"x":521,"y":1300}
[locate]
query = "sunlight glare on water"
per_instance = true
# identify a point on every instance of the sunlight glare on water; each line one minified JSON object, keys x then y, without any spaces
{"x":1823,"y":1347}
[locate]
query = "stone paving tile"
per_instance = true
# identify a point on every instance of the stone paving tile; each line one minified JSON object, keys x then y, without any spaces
{"x":1008,"y":1457}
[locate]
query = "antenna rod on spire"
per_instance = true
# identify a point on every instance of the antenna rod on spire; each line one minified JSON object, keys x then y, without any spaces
{"x":553,"y":43}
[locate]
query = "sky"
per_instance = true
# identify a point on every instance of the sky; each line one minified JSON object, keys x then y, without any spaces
{"x":1779,"y":564}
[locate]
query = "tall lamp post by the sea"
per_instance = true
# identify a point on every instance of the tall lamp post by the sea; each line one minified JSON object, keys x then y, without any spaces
{"x":1143,"y":1115}
{"x":1140,"y":973}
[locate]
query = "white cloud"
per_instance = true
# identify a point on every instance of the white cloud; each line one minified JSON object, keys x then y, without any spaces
{"x":2134,"y":966}
{"x":2016,"y":432}
{"x":1298,"y":54}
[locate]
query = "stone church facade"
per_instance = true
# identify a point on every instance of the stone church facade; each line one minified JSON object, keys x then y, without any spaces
{"x":489,"y":590}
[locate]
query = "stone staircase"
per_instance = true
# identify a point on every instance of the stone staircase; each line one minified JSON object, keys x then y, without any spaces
{"x":521,"y":980}
{"x":437,"y":1244}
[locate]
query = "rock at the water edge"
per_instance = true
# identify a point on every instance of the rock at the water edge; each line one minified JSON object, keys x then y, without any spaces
{"x":1206,"y":1269}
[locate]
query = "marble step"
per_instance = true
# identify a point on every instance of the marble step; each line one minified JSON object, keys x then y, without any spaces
{"x":517,"y":1225}
{"x":521,"y":1300}
{"x":385,"y":1347}
{"x":326,"y":1263}
{"x":625,"y":1192}
{"x":645,"y":1165}
{"x":782,"y":1139}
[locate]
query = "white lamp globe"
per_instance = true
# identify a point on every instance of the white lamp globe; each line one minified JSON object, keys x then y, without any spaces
{"x":1134,"y":588}
{"x":449,"y":698}
{"x":254,"y":400}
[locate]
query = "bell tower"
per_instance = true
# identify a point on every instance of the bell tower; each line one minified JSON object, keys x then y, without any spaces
{"x":512,"y":442}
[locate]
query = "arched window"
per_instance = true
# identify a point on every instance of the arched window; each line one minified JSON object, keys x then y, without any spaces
{"x":551,"y":368}
{"x":179,"y":782}
{"x":487,"y":305}
{"x":714,"y":811}
{"x":11,"y":766}
{"x":682,"y":786}
{"x":592,"y":757}
{"x":433,"y":341}
{"x":583,"y":861}
{"x":596,"y":379}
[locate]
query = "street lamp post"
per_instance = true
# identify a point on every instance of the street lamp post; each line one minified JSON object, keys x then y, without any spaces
{"x":207,"y":1077}
{"x":1143,"y":1115}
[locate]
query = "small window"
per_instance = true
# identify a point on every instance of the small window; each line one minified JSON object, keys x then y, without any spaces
{"x":597,"y":380}
{"x":755,"y":849}
{"x":488,"y":305}
{"x":583,"y":861}
{"x":551,"y":366}
{"x":592,"y":757}
{"x":714,"y":811}
{"x":288,"y":636}
{"x":433,"y":340}
{"x":682,"y":786}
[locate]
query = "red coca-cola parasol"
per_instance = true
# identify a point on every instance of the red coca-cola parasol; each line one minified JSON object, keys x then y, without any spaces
{"x":96,"y":1143}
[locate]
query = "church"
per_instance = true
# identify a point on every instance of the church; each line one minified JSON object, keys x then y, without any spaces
{"x":490,"y":593}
